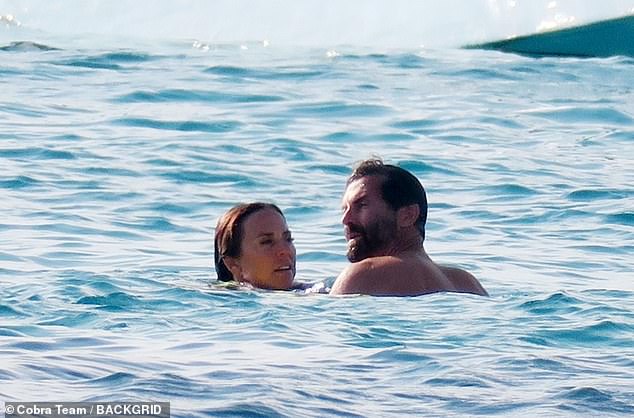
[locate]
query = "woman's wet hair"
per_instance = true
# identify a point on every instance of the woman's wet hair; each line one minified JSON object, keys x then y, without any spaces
{"x":399,"y":188}
{"x":229,"y":234}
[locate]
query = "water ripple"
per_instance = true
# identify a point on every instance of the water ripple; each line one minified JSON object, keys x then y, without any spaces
{"x":36,"y":154}
{"x":20,"y":182}
{"x":238,"y":73}
{"x":108,"y":61}
{"x":557,"y":303}
{"x":338,"y":109}
{"x":580,"y":115}
{"x":186,"y":126}
{"x":114,"y":379}
{"x":624,"y":218}
{"x":593,"y":194}
{"x":585,"y":399}
{"x":195,"y":96}
{"x":9,"y":311}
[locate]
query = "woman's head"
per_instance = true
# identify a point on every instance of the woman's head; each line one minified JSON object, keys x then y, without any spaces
{"x":253,"y":245}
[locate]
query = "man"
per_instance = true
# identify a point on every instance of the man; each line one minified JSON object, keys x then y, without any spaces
{"x":384,"y":215}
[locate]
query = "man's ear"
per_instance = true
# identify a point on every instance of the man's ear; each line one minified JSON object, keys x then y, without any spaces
{"x":233,"y":264}
{"x":407,"y":215}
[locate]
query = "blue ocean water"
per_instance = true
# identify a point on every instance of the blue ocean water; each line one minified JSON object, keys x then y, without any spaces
{"x":118,"y":160}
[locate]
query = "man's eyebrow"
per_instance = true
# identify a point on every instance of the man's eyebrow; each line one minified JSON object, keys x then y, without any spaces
{"x":362,"y":196}
{"x":357,"y":199}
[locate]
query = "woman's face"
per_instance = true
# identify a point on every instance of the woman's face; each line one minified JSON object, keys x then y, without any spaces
{"x":267,"y":253}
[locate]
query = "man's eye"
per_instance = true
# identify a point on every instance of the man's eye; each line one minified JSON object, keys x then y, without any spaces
{"x":266,"y":242}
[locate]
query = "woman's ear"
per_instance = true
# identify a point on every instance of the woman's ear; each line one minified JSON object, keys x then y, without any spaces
{"x":233,"y":264}
{"x":407,"y":215}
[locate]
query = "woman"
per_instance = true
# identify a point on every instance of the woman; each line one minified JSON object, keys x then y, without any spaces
{"x":254,"y":245}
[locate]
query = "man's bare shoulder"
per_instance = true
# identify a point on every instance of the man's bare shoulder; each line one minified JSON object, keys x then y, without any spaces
{"x":391,"y":276}
{"x":366,"y":276}
{"x":463,"y":281}
{"x":403,"y":276}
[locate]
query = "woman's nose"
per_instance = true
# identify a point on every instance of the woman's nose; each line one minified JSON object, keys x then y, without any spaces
{"x":285,"y":248}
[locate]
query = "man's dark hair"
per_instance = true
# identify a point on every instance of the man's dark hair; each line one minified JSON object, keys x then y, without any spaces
{"x":399,"y":188}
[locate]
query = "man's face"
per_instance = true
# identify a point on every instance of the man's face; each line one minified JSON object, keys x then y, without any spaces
{"x":369,"y":222}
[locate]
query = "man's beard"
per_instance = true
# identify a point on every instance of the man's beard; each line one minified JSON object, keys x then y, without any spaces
{"x":371,"y":240}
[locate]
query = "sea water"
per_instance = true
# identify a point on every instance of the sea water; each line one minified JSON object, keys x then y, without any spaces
{"x":118,"y":159}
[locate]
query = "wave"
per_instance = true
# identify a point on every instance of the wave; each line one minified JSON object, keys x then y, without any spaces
{"x":185,"y":126}
{"x":176,"y":95}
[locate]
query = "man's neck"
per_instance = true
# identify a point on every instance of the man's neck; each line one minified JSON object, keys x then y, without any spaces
{"x":406,"y":242}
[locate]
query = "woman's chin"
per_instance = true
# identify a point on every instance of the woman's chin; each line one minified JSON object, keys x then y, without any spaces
{"x":280,"y":280}
{"x":283,"y":279}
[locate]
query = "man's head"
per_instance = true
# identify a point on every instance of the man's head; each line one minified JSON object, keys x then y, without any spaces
{"x":379,"y":200}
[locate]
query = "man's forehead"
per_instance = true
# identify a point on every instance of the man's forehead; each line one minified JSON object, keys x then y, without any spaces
{"x":364,"y":186}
